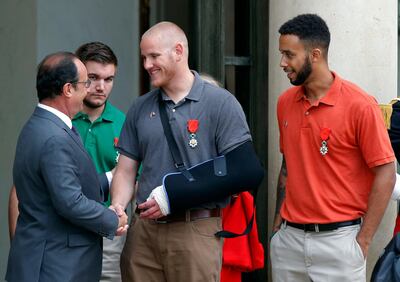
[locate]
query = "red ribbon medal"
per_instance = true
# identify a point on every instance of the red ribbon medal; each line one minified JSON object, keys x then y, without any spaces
{"x":324,"y":134}
{"x":115,"y":146}
{"x":192,"y":127}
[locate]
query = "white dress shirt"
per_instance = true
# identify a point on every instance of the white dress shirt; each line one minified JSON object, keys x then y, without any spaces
{"x":61,"y":115}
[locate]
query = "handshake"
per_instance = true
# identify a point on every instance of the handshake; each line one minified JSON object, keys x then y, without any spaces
{"x":122,"y":219}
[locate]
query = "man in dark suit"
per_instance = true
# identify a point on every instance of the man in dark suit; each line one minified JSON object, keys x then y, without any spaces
{"x":61,"y":220}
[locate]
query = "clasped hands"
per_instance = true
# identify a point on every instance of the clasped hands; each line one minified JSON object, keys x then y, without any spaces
{"x":155,"y":207}
{"x":122,"y":219}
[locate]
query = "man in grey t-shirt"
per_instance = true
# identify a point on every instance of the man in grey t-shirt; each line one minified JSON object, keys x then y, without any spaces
{"x":206,"y":122}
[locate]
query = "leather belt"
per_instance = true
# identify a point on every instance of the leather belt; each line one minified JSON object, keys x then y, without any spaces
{"x":189,"y":215}
{"x":311,"y":227}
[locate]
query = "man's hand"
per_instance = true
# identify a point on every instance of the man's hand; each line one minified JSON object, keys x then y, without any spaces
{"x":122,"y":219}
{"x":13,"y":212}
{"x":379,"y":196}
{"x":160,"y":197}
{"x":280,"y":196}
{"x":277,"y":223}
{"x":150,"y":209}
{"x":276,"y":226}
{"x":364,"y":244}
{"x":118,"y":209}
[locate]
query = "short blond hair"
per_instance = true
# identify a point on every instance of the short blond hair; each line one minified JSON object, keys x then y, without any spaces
{"x":170,"y":34}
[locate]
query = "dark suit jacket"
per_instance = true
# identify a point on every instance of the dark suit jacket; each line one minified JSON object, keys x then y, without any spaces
{"x":59,"y":228}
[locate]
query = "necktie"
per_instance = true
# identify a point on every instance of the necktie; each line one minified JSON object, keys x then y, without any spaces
{"x":75,"y":131}
{"x":77,"y":135}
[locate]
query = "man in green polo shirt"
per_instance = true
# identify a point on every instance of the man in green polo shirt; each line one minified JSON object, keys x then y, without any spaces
{"x":99,"y":125}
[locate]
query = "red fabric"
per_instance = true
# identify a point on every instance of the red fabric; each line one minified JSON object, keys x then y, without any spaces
{"x":230,"y":274}
{"x":397,"y":226}
{"x":243,"y":253}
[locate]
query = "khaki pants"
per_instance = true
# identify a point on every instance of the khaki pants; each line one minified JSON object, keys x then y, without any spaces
{"x":172,"y":252}
{"x":111,"y":255}
{"x":310,"y":256}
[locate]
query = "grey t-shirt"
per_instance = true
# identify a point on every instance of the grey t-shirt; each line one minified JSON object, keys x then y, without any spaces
{"x":222,"y":127}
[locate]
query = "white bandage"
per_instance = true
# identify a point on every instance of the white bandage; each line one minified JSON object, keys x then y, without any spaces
{"x":160,"y":195}
{"x":396,"y":190}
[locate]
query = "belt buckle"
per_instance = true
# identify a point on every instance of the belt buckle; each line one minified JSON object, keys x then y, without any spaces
{"x":157,"y":220}
{"x":316,"y":228}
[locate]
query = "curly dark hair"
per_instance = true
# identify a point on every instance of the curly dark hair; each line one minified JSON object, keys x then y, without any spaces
{"x":310,"y":28}
{"x":53,"y":72}
{"x":97,"y":52}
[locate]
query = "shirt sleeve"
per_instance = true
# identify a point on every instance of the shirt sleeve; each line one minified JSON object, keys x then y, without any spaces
{"x":128,"y":140}
{"x":232,"y":128}
{"x":373,"y":137}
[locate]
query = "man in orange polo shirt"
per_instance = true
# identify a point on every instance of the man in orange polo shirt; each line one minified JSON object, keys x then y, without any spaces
{"x":338,"y":167}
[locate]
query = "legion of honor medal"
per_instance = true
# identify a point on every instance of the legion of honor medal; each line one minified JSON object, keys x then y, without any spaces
{"x":324,"y":134}
{"x":115,"y":146}
{"x":192,"y":126}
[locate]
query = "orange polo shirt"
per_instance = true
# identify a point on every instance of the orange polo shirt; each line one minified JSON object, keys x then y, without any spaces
{"x":335,"y":186}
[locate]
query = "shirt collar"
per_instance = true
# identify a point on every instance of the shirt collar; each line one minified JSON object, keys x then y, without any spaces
{"x":333,"y":93}
{"x":58,"y":113}
{"x":195,"y":92}
{"x":105,"y":115}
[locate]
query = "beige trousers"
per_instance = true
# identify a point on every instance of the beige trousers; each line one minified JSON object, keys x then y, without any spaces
{"x":111,"y":255}
{"x":172,"y":252}
{"x":310,"y":256}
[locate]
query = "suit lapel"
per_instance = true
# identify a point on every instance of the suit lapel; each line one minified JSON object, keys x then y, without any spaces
{"x":76,"y":137}
{"x":55,"y":119}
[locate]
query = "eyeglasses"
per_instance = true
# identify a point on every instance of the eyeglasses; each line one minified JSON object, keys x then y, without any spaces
{"x":86,"y":83}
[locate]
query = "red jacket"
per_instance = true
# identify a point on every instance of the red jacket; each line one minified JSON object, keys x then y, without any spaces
{"x":397,"y":226}
{"x":243,"y":253}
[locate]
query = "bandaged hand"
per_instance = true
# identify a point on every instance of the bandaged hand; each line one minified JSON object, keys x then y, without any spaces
{"x":160,"y":196}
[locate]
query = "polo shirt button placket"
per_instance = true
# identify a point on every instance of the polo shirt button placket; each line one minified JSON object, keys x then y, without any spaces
{"x":307,"y":113}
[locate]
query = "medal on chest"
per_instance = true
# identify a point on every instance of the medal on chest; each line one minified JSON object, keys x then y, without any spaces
{"x":192,"y":127}
{"x":324,"y":134}
{"x":115,"y":146}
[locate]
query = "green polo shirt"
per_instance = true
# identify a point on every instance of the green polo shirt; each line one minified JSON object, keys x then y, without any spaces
{"x":101,"y":136}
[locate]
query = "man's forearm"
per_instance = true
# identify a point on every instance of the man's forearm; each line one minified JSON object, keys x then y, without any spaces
{"x":121,"y":190}
{"x":123,"y":183}
{"x":280,"y":194}
{"x":381,"y":190}
{"x":12,"y":212}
